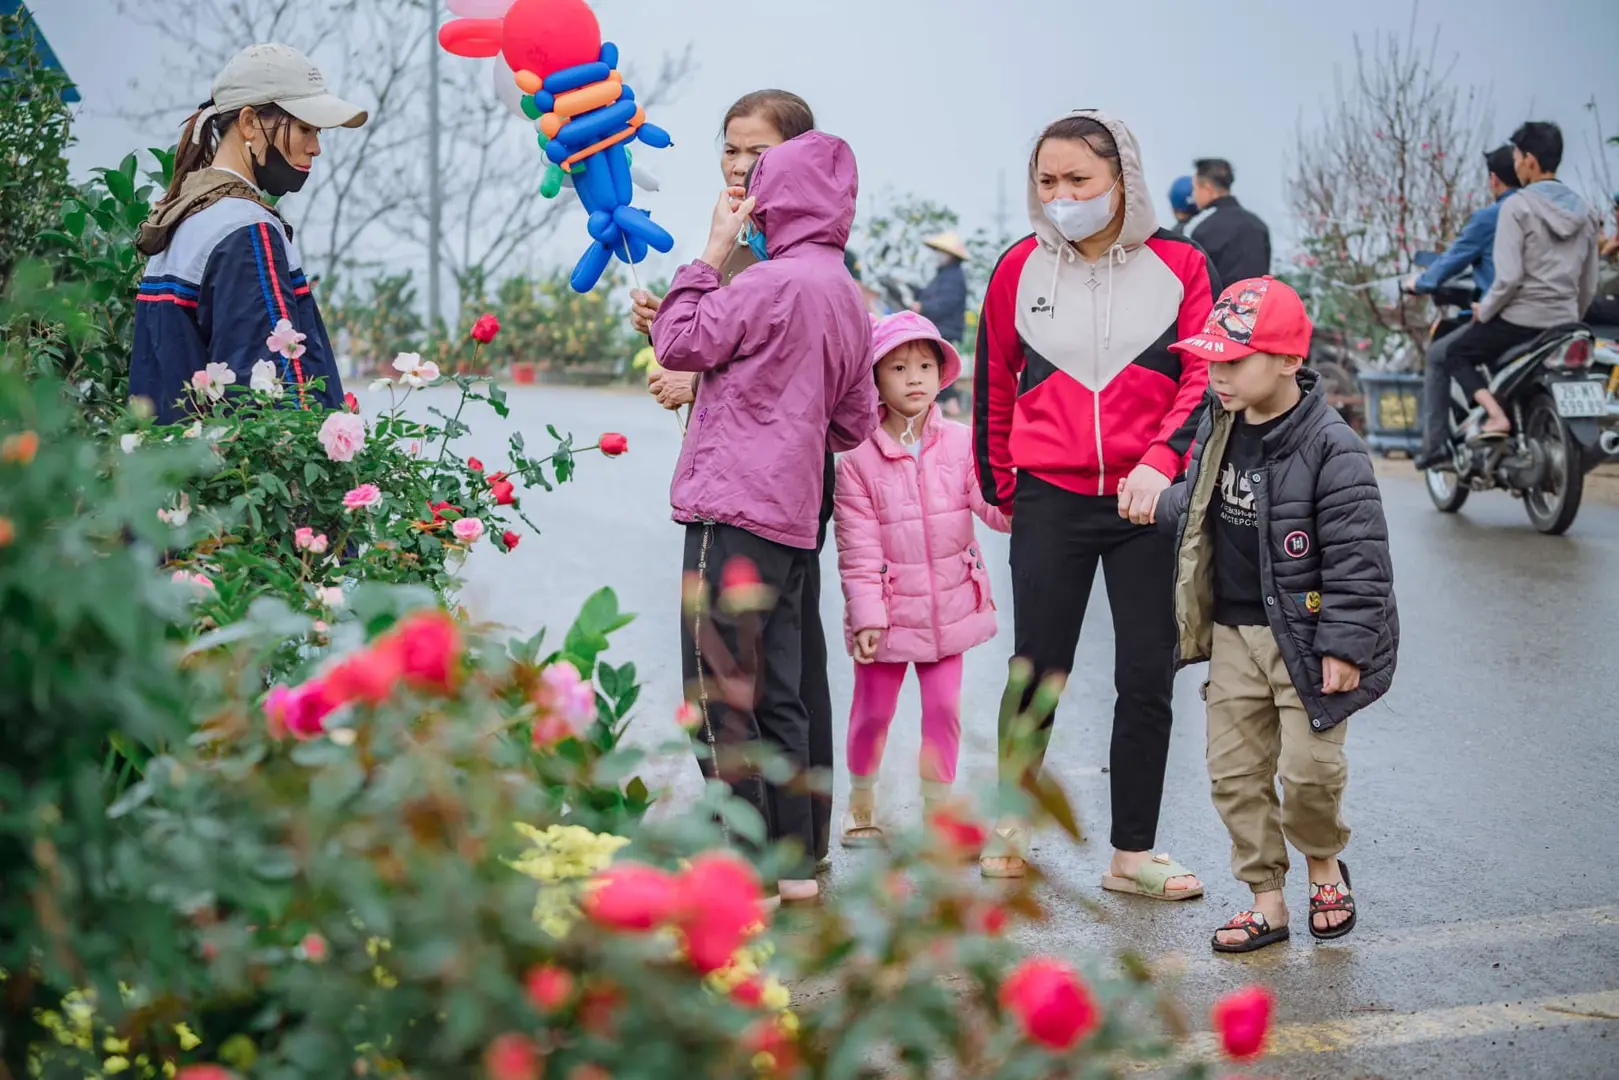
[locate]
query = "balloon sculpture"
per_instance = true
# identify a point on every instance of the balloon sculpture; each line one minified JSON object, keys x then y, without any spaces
{"x":571,"y":89}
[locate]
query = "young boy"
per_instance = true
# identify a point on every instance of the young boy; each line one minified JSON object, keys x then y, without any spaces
{"x":1283,"y":583}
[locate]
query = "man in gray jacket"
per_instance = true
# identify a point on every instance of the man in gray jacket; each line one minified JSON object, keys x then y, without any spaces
{"x":1545,"y":267}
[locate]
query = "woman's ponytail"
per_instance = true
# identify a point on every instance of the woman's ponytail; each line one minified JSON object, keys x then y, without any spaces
{"x":198,"y":143}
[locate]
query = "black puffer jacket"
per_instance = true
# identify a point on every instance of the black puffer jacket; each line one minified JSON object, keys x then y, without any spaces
{"x":1325,"y":568}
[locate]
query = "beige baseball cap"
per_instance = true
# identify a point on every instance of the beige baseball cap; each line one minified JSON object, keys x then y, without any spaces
{"x":279,"y":75}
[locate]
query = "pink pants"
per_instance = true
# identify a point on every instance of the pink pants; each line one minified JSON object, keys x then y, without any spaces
{"x":876,"y":696}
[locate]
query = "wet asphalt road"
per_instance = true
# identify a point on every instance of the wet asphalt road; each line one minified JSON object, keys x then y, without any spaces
{"x":1482,"y":794}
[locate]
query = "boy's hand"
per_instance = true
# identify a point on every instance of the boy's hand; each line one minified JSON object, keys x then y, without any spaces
{"x":865,"y":645}
{"x":1338,"y":676}
{"x":1138,"y":494}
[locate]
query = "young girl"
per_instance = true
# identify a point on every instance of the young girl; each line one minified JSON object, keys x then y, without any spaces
{"x":784,"y":355}
{"x":913,"y":573}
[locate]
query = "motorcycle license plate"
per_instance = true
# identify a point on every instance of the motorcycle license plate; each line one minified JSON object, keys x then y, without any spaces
{"x":1579,"y":399}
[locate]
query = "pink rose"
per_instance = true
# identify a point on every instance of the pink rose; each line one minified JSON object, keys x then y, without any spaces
{"x":304,"y":538}
{"x":314,"y":948}
{"x":343,"y":434}
{"x":275,"y":712}
{"x":200,"y":380}
{"x":285,"y":340}
{"x":363,"y":497}
{"x":568,"y":695}
{"x":467,"y":530}
{"x":1052,"y":1005}
{"x":318,"y":544}
{"x":306,"y":708}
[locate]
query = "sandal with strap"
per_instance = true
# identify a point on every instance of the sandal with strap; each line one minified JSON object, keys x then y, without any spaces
{"x":1332,"y":898}
{"x":860,"y":828}
{"x":1152,"y":880}
{"x":1258,"y":929}
{"x":1009,"y":843}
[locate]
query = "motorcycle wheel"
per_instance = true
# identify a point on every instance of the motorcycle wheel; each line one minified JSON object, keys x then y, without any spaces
{"x":1446,"y":490}
{"x":1552,"y":504}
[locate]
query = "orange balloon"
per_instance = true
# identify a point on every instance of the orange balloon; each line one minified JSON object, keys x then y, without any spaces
{"x":528,"y":82}
{"x":550,"y":124}
{"x":595,"y":96}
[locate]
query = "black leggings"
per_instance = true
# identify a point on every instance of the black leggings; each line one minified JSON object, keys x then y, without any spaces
{"x":1058,"y":538}
{"x":1482,"y":343}
{"x":743,"y":670}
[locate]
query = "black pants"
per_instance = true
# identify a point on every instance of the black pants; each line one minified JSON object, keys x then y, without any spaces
{"x":1057,"y":540}
{"x":1436,"y":392}
{"x":1482,"y":343}
{"x":815,"y":687}
{"x":743,"y":669}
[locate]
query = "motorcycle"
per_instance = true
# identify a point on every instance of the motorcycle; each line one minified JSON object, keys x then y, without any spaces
{"x":1564,"y":421}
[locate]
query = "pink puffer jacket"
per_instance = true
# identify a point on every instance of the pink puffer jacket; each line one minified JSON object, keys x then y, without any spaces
{"x":907,"y":552}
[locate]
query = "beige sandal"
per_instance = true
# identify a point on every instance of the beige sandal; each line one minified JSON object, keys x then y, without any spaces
{"x":860,"y":828}
{"x":1151,"y":880}
{"x":1008,"y":848}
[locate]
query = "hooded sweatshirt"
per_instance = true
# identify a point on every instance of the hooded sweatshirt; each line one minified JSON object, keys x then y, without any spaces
{"x":223,"y":271}
{"x":1075,"y":381}
{"x":1545,"y":258}
{"x":784,"y":352}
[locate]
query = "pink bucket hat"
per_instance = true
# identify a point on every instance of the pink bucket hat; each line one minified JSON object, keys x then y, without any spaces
{"x":890,"y":332}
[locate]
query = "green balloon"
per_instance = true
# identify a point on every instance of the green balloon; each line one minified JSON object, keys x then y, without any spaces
{"x":552,"y":184}
{"x":530,"y":110}
{"x":543,"y":139}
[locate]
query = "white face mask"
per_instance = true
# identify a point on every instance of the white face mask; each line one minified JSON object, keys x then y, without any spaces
{"x":1078,"y":219}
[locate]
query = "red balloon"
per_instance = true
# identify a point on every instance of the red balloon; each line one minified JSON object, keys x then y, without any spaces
{"x":546,"y":36}
{"x":470,"y":37}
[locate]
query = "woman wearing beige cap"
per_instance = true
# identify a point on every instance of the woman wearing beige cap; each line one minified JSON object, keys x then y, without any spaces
{"x":223,"y":273}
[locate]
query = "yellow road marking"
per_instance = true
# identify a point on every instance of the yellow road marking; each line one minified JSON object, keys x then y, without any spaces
{"x":1383,"y":1030}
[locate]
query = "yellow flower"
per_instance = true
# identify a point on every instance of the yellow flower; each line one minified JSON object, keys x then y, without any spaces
{"x":188,"y":1038}
{"x":776,"y":996}
{"x":115,"y":1064}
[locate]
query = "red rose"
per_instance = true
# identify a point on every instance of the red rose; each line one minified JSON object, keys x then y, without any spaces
{"x":426,"y":647}
{"x":485,"y":329}
{"x":495,"y":477}
{"x":749,"y":993}
{"x":596,"y":1010}
{"x":767,"y":1036}
{"x":631,"y":896}
{"x":613,"y":444}
{"x":960,"y":837}
{"x":474,"y":464}
{"x":549,"y":987}
{"x":990,"y":920}
{"x":1054,"y":1008}
{"x":512,"y":1057}
{"x":351,"y":403}
{"x":503,"y":491}
{"x":315,"y":948}
{"x":510,"y":539}
{"x":369,"y":676}
{"x":740,"y":587}
{"x":205,"y":1072}
{"x":437,"y":509}
{"x":721,"y":904}
{"x":305,"y":709}
{"x":1242,"y":1018}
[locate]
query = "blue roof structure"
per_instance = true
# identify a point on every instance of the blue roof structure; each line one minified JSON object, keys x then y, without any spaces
{"x":42,"y":48}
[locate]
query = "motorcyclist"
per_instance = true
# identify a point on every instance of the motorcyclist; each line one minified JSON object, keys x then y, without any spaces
{"x":1472,"y":251}
{"x":1545,"y":267}
{"x":943,"y":301}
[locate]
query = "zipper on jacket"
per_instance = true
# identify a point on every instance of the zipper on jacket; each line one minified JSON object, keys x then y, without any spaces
{"x":1096,"y":394}
{"x":927,"y":547}
{"x":702,"y":414}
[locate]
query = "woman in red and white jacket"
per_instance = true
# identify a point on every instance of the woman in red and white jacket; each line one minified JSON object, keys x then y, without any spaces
{"x":1083,"y":417}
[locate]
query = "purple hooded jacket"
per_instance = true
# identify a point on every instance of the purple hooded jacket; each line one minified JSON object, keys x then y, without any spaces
{"x":784,"y":352}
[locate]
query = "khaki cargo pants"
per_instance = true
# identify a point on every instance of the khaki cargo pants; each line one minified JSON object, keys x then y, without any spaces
{"x":1258,"y":729}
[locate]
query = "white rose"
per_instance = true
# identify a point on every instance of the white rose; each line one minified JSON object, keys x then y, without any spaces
{"x":264,"y":379}
{"x":128,"y":443}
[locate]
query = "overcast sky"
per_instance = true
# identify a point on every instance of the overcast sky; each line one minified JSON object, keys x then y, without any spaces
{"x":941,"y":97}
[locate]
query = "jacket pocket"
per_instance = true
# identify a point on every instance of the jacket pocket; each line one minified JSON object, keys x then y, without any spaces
{"x":982,"y":601}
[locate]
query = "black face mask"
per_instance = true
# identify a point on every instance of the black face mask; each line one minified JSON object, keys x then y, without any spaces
{"x":276,"y":176}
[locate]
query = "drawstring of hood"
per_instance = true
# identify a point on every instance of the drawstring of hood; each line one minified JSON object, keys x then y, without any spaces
{"x":1059,"y":253}
{"x":1107,"y":325}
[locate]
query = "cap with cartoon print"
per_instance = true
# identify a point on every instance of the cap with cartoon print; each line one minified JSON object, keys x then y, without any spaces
{"x":1254,"y":315}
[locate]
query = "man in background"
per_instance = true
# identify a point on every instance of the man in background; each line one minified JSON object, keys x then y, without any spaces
{"x":1473,"y":251}
{"x":1182,"y":204}
{"x":1236,"y":240}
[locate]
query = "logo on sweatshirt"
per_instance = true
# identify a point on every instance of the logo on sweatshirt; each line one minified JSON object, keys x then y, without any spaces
{"x":1040,"y":306}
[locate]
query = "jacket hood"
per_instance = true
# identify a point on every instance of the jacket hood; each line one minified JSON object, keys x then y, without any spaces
{"x":805,"y":193}
{"x":197,"y":192}
{"x":1140,"y":220}
{"x":1557,"y":204}
{"x":888,"y":334}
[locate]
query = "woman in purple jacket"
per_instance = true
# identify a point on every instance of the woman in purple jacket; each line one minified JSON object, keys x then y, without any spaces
{"x":783,"y":356}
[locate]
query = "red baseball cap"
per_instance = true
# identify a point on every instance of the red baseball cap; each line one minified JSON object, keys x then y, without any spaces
{"x":1255,"y":315}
